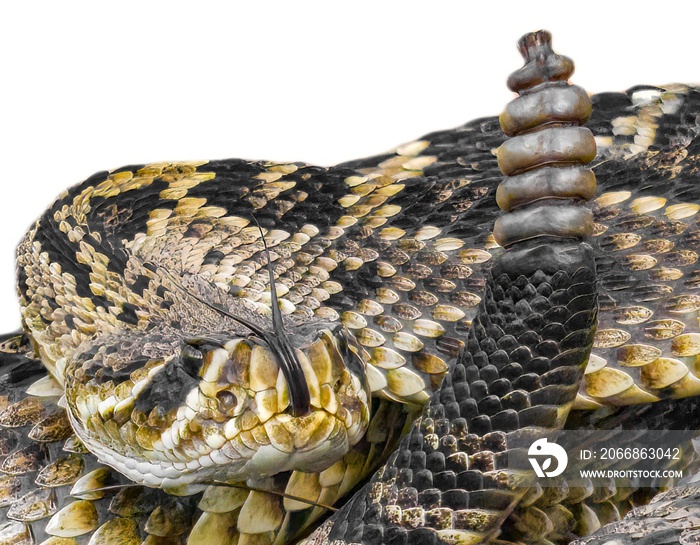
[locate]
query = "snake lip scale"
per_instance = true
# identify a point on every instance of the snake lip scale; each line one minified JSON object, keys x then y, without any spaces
{"x":251,"y":352}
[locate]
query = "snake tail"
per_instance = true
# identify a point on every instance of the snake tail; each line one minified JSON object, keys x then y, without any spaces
{"x":449,"y":480}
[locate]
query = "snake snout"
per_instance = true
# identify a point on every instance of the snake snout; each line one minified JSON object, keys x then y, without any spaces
{"x":245,"y":380}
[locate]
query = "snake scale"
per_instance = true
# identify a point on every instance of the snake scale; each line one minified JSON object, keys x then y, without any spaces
{"x":220,"y":351}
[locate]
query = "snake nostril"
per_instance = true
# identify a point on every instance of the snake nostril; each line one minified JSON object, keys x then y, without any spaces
{"x":227,"y":400}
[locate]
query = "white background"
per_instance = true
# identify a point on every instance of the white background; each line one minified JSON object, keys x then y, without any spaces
{"x":88,"y":86}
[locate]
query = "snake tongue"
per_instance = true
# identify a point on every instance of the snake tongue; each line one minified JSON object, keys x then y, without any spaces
{"x":299,"y":396}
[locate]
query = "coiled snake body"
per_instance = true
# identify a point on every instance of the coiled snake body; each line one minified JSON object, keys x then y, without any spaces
{"x":146,"y":293}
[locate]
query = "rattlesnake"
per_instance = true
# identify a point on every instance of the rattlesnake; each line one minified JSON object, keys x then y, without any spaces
{"x":146,"y":294}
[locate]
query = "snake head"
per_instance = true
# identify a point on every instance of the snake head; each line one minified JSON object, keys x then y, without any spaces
{"x":218,"y":408}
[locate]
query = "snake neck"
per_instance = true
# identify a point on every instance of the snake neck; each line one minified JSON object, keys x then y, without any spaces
{"x":526,"y":351}
{"x":527,"y":347}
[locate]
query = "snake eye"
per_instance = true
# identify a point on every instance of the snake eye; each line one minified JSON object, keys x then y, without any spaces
{"x":227,"y":400}
{"x":192,"y":359}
